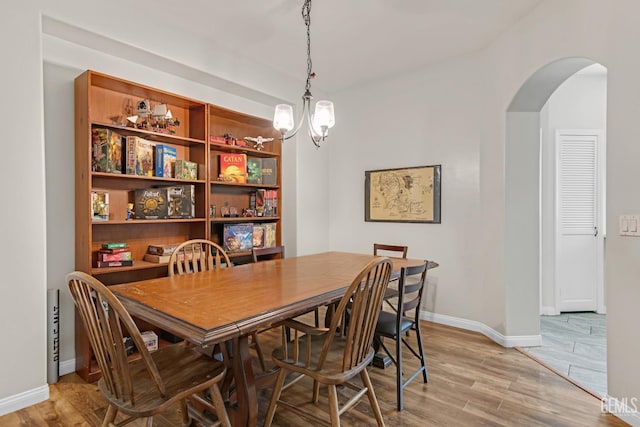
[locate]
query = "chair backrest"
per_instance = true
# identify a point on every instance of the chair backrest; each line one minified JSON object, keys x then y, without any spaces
{"x":194,"y":256}
{"x":364,"y":300}
{"x":399,"y":250}
{"x":107,"y":323}
{"x":259,"y":253}
{"x":410,"y":289}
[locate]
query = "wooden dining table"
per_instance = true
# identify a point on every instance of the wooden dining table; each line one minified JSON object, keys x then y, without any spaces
{"x":226,"y":305}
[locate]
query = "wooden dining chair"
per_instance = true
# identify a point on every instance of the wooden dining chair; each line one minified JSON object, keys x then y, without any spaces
{"x":197,"y":255}
{"x":260,"y":254}
{"x":390,"y":250}
{"x":332,"y":359}
{"x":395,"y":324}
{"x":151,"y":384}
{"x":396,"y":251}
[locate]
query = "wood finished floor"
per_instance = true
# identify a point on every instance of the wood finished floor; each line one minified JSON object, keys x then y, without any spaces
{"x":472,"y":382}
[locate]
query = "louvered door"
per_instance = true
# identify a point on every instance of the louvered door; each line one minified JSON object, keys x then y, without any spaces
{"x":577,"y":220}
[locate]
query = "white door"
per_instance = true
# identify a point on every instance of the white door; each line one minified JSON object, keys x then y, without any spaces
{"x":579,"y":259}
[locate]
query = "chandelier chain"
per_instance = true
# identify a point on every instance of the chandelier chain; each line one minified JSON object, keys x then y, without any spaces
{"x":306,"y":16}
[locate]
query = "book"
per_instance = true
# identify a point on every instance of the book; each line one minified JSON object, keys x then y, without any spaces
{"x":258,"y":236}
{"x":159,"y":259}
{"x":166,"y":249}
{"x":270,"y":203}
{"x":101,"y":264}
{"x":162,"y":259}
{"x":254,"y":170}
{"x":139,"y":156}
{"x":106,"y":151}
{"x":269,"y":171}
{"x":165,"y":160}
{"x":184,"y":169}
{"x":181,"y":201}
{"x":114,"y":250}
{"x":238,"y":237}
{"x":121,"y":256}
{"x":269,"y":234}
{"x":113,"y":245}
{"x":233,"y":167}
{"x":99,"y":205}
{"x":151,"y":203}
{"x":260,"y":201}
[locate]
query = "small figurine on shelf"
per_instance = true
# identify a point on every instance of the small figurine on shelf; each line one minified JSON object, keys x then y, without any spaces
{"x":130,"y":212}
{"x":229,"y":139}
{"x":258,"y":140}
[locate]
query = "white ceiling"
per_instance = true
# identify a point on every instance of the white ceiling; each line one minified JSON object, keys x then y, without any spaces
{"x":353,"y":41}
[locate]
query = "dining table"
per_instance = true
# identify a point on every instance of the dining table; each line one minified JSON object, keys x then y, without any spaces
{"x":224,"y":306}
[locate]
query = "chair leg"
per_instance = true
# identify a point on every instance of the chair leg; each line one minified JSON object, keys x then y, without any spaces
{"x":333,"y":406}
{"x":110,"y":416}
{"x":256,"y":344}
{"x":372,"y":397}
{"x":399,"y":381}
{"x":423,"y":359}
{"x":316,"y":391}
{"x":186,"y":419}
{"x":273,"y":403}
{"x":218,"y":403}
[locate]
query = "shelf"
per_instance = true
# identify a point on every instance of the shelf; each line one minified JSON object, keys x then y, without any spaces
{"x":231,"y":184}
{"x":221,"y":220}
{"x":151,"y":135}
{"x":147,"y":221}
{"x":238,"y":149}
{"x":137,"y":265}
{"x":156,"y":179}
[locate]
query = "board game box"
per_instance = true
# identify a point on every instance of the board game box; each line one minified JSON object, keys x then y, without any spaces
{"x":238,"y":237}
{"x":139,"y":156}
{"x":181,"y":201}
{"x":269,"y":171}
{"x":151,"y":203}
{"x":254,"y":170}
{"x":106,"y":151}
{"x":165,"y":160}
{"x":185,"y":169}
{"x":233,"y":167}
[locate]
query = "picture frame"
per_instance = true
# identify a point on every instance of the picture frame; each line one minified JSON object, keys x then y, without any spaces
{"x":410,"y":194}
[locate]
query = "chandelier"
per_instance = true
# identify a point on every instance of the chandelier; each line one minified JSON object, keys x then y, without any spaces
{"x":323,"y":117}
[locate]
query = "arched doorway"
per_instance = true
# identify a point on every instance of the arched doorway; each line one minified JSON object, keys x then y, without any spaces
{"x":534,"y":204}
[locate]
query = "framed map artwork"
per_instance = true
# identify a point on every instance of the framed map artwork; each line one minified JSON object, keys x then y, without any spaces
{"x":403,"y":195}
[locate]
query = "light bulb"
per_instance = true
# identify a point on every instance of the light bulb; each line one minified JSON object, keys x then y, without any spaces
{"x":283,"y":118}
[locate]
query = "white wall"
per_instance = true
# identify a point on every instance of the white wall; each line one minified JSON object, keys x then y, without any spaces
{"x":66,"y":51}
{"x":455,"y":114}
{"x":451,"y":114}
{"x":579,"y":103}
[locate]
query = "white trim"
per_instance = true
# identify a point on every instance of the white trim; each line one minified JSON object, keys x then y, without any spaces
{"x":629,"y":415}
{"x":67,"y":367}
{"x":24,"y":399}
{"x":472,"y":325}
{"x":548,"y":311}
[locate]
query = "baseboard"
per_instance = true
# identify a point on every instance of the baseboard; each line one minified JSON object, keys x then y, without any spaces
{"x":472,"y":325}
{"x":24,"y":399}
{"x":67,"y":367}
{"x":625,"y":409}
{"x":548,"y":311}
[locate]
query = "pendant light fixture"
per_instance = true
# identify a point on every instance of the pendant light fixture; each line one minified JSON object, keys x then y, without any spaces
{"x":323,"y":117}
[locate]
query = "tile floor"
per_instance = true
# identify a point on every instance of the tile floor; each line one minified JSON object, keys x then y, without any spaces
{"x":576,"y":345}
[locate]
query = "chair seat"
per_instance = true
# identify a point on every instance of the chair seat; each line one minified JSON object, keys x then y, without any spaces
{"x":183,"y":370}
{"x":332,"y":371}
{"x":386,"y":326}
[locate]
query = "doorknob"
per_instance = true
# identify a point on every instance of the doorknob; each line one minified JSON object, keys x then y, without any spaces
{"x":596,"y":231}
